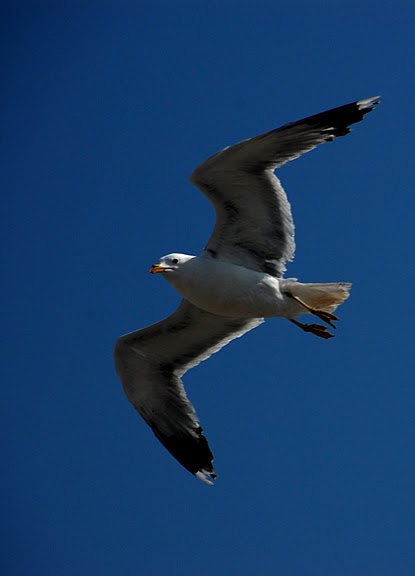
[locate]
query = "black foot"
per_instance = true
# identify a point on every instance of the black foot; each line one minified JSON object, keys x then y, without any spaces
{"x":316,"y":329}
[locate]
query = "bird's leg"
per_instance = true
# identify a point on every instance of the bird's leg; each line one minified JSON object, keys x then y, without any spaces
{"x":317,"y":329}
{"x":325,"y":316}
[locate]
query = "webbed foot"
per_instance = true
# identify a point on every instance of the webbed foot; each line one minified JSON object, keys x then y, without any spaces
{"x":322,"y":314}
{"x":316,"y":329}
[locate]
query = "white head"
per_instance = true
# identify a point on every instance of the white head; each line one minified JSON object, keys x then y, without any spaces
{"x":170,"y":263}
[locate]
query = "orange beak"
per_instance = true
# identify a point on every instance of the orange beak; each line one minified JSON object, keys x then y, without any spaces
{"x":157,"y":269}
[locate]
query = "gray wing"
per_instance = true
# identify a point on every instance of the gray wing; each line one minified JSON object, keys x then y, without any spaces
{"x":254,"y":225}
{"x":150,"y":363}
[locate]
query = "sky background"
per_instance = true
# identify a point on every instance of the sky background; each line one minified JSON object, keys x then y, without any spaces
{"x":106,"y":108}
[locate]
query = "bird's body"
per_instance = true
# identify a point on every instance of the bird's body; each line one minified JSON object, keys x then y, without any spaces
{"x":234,"y":284}
{"x":234,"y":291}
{"x":226,"y":289}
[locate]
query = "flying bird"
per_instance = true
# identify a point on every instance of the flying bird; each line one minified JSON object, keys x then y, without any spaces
{"x":234,"y":284}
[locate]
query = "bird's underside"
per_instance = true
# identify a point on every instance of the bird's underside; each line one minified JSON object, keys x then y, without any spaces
{"x":254,"y":230}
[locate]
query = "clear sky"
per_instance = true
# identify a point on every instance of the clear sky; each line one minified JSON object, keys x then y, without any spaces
{"x":106,"y":109}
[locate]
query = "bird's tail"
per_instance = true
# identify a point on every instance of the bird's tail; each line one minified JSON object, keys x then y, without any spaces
{"x":325,"y":297}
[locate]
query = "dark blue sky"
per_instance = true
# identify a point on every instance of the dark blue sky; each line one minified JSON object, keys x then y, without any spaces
{"x":106,"y":109}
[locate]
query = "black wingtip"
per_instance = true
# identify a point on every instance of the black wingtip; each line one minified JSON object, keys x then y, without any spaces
{"x":192,"y":451}
{"x":368,"y":104}
{"x":336,"y":122}
{"x":349,"y":114}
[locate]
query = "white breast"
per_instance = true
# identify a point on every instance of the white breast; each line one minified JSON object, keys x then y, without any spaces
{"x":225,"y":289}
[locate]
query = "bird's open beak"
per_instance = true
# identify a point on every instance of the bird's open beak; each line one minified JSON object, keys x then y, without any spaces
{"x":156,"y":269}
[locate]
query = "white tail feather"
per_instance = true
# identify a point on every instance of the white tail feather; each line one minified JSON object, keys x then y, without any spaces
{"x":325,"y":297}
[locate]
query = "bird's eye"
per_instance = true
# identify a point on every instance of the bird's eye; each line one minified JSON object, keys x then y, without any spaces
{"x":175,"y":261}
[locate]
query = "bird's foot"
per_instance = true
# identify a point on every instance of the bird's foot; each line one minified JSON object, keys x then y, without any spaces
{"x":327,"y":317}
{"x":316,"y":329}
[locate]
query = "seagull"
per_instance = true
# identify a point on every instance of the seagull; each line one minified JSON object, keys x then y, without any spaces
{"x":234,"y":284}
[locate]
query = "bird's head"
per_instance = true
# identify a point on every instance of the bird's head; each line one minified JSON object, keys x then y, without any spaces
{"x":170,"y":263}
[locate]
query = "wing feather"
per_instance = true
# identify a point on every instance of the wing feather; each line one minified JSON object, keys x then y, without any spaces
{"x":150,"y":363}
{"x":254,"y":225}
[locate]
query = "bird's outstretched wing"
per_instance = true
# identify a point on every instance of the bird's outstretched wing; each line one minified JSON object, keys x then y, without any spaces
{"x":254,"y":225}
{"x":150,"y":363}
